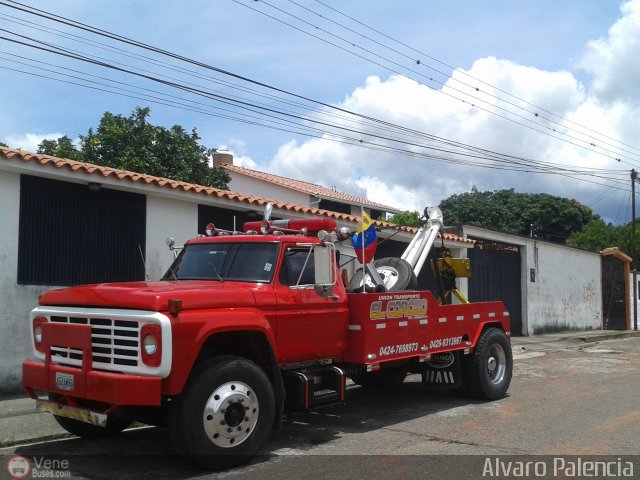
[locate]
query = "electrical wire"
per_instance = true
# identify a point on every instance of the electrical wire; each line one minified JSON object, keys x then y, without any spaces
{"x":588,"y":143}
{"x":486,"y":159}
{"x":440,"y":62}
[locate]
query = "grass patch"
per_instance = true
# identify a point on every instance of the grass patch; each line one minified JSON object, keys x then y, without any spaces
{"x":6,"y":442}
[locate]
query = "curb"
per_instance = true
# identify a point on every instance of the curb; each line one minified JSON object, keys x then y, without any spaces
{"x":10,"y":444}
{"x":610,"y":336}
{"x":29,"y":441}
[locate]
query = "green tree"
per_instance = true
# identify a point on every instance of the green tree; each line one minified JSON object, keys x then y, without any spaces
{"x":132,"y":143}
{"x":598,"y":235}
{"x":546,"y":216}
{"x":2,"y":144}
{"x":63,"y":147}
{"x":407,"y":219}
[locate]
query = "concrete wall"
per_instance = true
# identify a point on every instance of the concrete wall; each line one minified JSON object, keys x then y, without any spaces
{"x":167,"y":218}
{"x":567,"y":291}
{"x":631,"y":304}
{"x":17,"y":300}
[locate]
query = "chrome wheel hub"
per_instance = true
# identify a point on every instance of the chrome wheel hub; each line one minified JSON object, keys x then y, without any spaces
{"x":230,"y":414}
{"x":389,"y":276}
{"x":496,"y":364}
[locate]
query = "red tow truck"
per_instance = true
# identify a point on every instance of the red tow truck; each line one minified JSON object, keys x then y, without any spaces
{"x":245,"y":326}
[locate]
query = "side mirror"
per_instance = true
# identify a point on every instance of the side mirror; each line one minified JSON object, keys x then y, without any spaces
{"x":325,"y":278}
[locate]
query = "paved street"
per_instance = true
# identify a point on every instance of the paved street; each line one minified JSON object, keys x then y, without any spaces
{"x":567,"y":398}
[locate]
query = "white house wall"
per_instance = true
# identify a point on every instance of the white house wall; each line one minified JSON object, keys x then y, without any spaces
{"x":631,"y":303}
{"x":259,"y":188}
{"x":567,"y":292}
{"x":17,"y":300}
{"x":167,"y":218}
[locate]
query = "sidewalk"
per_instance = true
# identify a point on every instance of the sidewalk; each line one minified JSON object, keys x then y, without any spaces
{"x":560,"y":340}
{"x":22,"y":423}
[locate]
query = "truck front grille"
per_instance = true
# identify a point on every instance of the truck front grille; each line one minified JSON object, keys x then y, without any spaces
{"x":114,"y":343}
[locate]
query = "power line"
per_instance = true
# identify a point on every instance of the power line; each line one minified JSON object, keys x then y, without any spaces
{"x":494,"y":159}
{"x":588,"y":144}
{"x":541,"y":166}
{"x":426,"y":55}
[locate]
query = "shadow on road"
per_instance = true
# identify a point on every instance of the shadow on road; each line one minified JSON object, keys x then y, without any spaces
{"x":148,"y":453}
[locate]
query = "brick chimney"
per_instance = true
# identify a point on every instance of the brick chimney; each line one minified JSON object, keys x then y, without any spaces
{"x":222,"y":158}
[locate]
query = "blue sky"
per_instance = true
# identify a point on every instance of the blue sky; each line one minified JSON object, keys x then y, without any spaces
{"x":573,"y":58}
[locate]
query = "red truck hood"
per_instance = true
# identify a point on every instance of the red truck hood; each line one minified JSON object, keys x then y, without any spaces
{"x":195,"y":294}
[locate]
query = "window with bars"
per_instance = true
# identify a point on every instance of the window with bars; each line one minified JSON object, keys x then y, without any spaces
{"x":72,"y":235}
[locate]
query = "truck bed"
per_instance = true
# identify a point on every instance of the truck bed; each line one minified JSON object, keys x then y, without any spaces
{"x":397,"y":325}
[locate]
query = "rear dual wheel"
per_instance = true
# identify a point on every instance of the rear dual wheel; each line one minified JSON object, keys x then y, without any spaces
{"x":487,"y":372}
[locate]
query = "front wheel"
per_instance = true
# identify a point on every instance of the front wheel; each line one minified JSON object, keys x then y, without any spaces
{"x":487,"y":372}
{"x":225,"y":413}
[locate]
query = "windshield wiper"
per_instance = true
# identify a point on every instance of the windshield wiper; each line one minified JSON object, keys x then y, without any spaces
{"x":215,"y":270}
{"x":173,"y":273}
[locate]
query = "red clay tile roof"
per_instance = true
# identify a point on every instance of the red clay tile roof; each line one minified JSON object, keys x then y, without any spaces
{"x":10,"y":154}
{"x":308,"y":188}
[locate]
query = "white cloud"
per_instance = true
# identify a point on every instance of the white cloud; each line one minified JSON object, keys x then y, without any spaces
{"x":613,"y":60}
{"x":30,"y":141}
{"x":238,"y":149}
{"x":567,"y":110}
{"x":378,"y":191}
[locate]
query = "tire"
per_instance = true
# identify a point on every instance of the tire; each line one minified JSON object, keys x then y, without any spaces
{"x":114,"y":425}
{"x":397,"y":274}
{"x":486,"y":374}
{"x":225,"y":413}
{"x":381,"y":379}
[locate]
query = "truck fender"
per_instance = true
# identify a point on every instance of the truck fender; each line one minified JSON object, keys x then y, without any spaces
{"x":481,"y":328}
{"x":195,"y":330}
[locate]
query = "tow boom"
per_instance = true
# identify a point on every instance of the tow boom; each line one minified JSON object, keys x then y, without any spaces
{"x":418,"y":250}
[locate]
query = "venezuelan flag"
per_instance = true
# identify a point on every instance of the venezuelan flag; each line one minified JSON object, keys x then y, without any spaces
{"x":365,"y":239}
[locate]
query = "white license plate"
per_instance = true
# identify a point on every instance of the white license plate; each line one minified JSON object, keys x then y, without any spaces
{"x":64,"y":381}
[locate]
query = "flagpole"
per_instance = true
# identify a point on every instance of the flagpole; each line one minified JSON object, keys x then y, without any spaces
{"x":364,"y":283}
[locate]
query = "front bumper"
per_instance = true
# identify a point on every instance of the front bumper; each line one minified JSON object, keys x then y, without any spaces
{"x":103,"y":387}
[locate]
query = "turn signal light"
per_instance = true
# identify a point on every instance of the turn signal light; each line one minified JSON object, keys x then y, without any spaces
{"x":174,"y":306}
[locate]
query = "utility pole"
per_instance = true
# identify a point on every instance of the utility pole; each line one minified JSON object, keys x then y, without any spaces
{"x":634,"y":176}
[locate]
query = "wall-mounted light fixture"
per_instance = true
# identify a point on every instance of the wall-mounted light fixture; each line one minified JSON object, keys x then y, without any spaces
{"x":94,"y":186}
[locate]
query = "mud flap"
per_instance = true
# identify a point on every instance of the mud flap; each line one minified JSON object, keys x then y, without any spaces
{"x":442,"y":370}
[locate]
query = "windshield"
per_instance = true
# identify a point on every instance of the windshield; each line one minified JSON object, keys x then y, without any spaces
{"x":243,"y":262}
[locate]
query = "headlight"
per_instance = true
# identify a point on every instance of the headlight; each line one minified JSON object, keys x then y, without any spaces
{"x":37,"y":333}
{"x":150,"y":344}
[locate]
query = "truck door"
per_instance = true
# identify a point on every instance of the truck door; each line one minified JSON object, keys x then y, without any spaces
{"x":309,"y":326}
